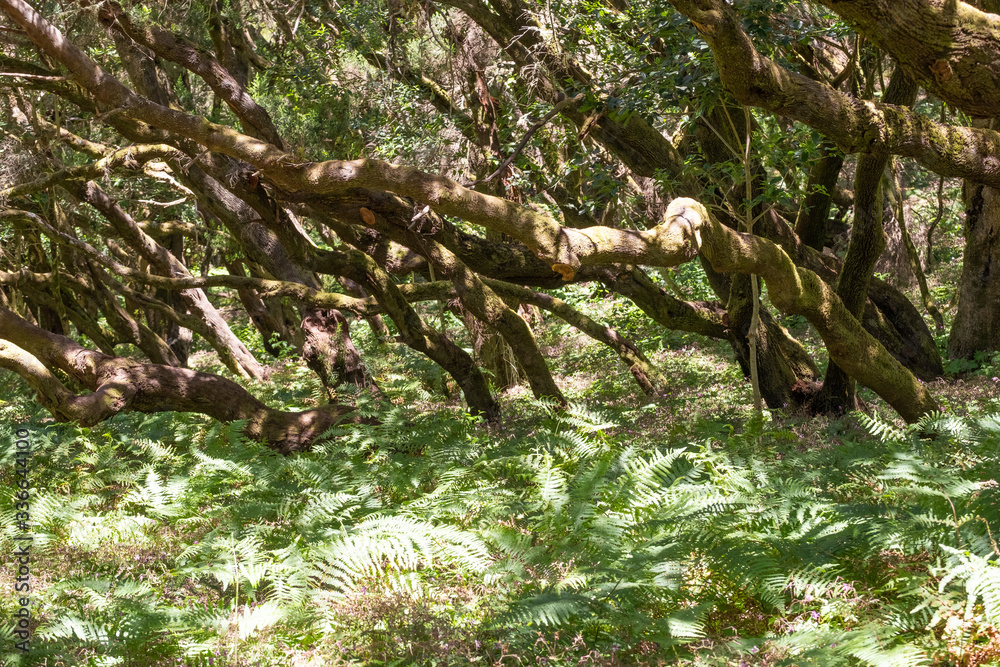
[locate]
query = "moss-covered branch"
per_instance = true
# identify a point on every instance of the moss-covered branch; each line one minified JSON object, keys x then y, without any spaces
{"x":856,"y":126}
{"x":793,"y":289}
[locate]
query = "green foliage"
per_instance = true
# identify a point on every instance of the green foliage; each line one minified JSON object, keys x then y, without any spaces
{"x":431,"y":539}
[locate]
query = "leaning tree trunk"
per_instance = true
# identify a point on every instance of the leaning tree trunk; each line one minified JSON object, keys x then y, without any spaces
{"x":839,"y":391}
{"x":328,"y":346}
{"x":786,"y":374}
{"x":262,"y":245}
{"x":976,"y":327}
{"x":178,"y":338}
{"x":794,"y":289}
{"x":495,"y":353}
{"x":811,"y":224}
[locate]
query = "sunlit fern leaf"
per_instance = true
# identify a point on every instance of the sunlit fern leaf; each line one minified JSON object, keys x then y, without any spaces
{"x":988,"y":425}
{"x":574,"y":580}
{"x":816,"y":581}
{"x":159,"y":498}
{"x":249,"y":620}
{"x":909,"y":467}
{"x":552,"y":483}
{"x":205,"y":617}
{"x":548,"y":609}
{"x":874,"y":652}
{"x":737,"y":557}
{"x":882,"y":429}
{"x":51,"y":510}
{"x":331,"y":509}
{"x":871,"y":644}
{"x":230,"y":467}
{"x":686,"y":623}
{"x":158,"y":451}
{"x":316,"y":471}
{"x":505,"y":570}
{"x":658,"y":471}
{"x":288,"y":577}
{"x":382,"y":545}
{"x":581,"y":418}
{"x":73,"y":626}
{"x":953,"y":427}
{"x":982,"y":581}
{"x":98,"y":590}
{"x":510,"y":539}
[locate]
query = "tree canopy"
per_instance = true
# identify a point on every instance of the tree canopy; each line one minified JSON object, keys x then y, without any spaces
{"x":327,"y":162}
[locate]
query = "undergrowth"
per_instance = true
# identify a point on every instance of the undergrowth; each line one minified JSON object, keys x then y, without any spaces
{"x":432,"y":539}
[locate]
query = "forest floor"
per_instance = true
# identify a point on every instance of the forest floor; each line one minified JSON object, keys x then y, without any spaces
{"x":679,"y":529}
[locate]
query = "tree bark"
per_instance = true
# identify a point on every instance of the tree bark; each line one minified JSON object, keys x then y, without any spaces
{"x":797,"y":290}
{"x":123,"y":385}
{"x":949,"y":47}
{"x":976,"y":327}
{"x":565,"y":250}
{"x":811,"y":222}
{"x":867,"y":243}
{"x":855,"y":126}
{"x":328,"y":345}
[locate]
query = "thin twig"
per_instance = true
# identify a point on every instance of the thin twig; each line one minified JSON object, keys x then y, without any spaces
{"x":849,"y":67}
{"x":38,"y":77}
{"x":754,"y":288}
{"x":164,"y":204}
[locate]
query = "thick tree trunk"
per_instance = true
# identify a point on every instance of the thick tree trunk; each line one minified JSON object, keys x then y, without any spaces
{"x":787,"y":373}
{"x":262,"y":245}
{"x":976,"y":327}
{"x":328,"y":346}
{"x":794,"y":289}
{"x":838,"y":393}
{"x":811,"y":222}
{"x":867,"y":243}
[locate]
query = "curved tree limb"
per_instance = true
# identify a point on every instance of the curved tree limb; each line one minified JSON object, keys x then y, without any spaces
{"x":946,"y":45}
{"x":216,"y":331}
{"x":566,"y":249}
{"x":123,"y":385}
{"x":267,"y":288}
{"x":856,"y":126}
{"x":793,"y":289}
{"x":646,"y":375}
{"x":130,"y":157}
{"x":169,"y":46}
